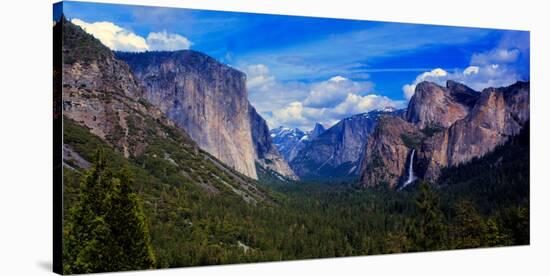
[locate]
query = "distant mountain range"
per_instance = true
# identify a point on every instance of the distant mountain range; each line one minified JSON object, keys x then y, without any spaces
{"x":331,"y":153}
{"x":289,"y":141}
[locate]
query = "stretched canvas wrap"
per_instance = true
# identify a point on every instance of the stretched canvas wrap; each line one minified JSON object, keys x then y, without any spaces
{"x":192,"y":137}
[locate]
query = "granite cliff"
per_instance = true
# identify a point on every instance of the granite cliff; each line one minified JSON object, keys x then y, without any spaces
{"x":266,"y":153}
{"x":202,"y":96}
{"x":102,"y":99}
{"x":446,"y":126}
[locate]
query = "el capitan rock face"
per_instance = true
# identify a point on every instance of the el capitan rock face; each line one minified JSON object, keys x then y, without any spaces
{"x":451,"y":125}
{"x":206,"y":98}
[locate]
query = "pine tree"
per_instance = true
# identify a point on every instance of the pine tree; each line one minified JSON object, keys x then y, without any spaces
{"x":469,"y":227}
{"x":109,"y":230}
{"x":431,"y":229}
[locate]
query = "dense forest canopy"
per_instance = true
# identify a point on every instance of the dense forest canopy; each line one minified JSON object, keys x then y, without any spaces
{"x":482,"y":203}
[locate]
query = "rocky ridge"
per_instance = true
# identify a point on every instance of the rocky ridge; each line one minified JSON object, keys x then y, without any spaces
{"x":266,"y":153}
{"x":336,"y":153}
{"x":447,"y":126}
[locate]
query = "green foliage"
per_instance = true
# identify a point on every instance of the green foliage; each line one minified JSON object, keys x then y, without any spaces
{"x":108,"y":230}
{"x":83,"y":48}
{"x":469,"y":228}
{"x":411,"y":140}
{"x":430,"y":232}
{"x":431,"y":129}
{"x":191,"y":225}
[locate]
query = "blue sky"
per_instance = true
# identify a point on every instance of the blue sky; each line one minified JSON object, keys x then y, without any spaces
{"x":303,"y":70}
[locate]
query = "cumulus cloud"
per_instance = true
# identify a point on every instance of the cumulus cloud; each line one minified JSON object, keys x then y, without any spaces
{"x":437,"y":75}
{"x":333,"y":91}
{"x":259,"y":77}
{"x":476,"y":77}
{"x":354,"y":104}
{"x":292,"y":115}
{"x":303,"y":104}
{"x":119,"y":39}
{"x":164,"y":41}
{"x":501,"y":66}
{"x":268,"y":95}
{"x":113,"y":36}
{"x":296,"y":114}
{"x":300,"y":104}
{"x":495,"y":56}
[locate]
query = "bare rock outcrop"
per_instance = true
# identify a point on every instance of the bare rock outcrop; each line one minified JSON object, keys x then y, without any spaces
{"x":101,"y":93}
{"x":387,"y":150}
{"x":436,"y":106}
{"x":498,"y":114}
{"x":447,"y":126}
{"x":204,"y":97}
{"x":266,"y":153}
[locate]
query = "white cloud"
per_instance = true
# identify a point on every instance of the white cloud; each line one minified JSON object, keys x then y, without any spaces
{"x":471,"y":70}
{"x":113,"y":36}
{"x":495,"y":56}
{"x":164,"y":41}
{"x":495,"y":68}
{"x":330,"y":93}
{"x":119,"y":39}
{"x":259,"y":77}
{"x":437,"y":75}
{"x":325,"y":102}
{"x":354,"y":104}
{"x":476,"y":77}
{"x":300,"y":104}
{"x":295,"y":114}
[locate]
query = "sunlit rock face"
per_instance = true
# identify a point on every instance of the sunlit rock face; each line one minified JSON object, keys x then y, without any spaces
{"x":206,"y":98}
{"x":446,"y":126}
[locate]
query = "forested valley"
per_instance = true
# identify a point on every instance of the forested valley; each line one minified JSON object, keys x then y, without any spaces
{"x":150,"y":216}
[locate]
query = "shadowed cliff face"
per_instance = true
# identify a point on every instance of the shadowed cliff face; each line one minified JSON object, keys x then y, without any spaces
{"x":337,"y":151}
{"x":447,"y":126}
{"x":207,"y":99}
{"x":387,"y":150}
{"x":266,"y":153}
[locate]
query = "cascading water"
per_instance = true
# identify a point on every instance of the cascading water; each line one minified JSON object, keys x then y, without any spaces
{"x":411,"y":178}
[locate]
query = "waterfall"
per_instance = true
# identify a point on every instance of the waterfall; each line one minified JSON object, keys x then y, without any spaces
{"x":411,"y":178}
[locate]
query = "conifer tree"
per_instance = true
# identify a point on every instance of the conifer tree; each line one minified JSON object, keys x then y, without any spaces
{"x":109,"y":230}
{"x":431,"y":230}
